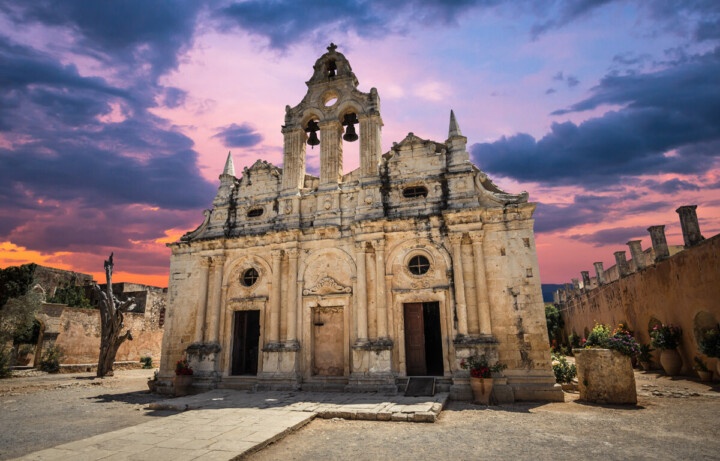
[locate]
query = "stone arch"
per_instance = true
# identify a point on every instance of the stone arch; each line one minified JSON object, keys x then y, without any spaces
{"x":703,"y":322}
{"x":652,"y":323}
{"x":437,"y":254}
{"x":309,"y":114}
{"x":234,"y":269}
{"x":325,"y":252}
{"x":347,"y":106}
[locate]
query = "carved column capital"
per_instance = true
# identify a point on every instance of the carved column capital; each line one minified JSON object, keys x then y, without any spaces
{"x":330,"y":124}
{"x":361,"y":247}
{"x":476,"y":237}
{"x":293,"y":253}
{"x":455,"y":238}
{"x":380,"y":244}
{"x":276,"y":254}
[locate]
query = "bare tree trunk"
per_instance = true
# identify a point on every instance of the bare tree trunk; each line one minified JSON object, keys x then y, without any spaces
{"x":111,"y":323}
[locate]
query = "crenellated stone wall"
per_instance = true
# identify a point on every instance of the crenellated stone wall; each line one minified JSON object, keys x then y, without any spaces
{"x":681,"y":287}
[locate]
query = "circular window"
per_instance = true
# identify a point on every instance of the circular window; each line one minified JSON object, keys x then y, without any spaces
{"x":418,"y":265}
{"x":255,"y":212}
{"x":249,"y":277}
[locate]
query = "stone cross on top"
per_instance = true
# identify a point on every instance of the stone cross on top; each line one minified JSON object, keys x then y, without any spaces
{"x":332,"y":47}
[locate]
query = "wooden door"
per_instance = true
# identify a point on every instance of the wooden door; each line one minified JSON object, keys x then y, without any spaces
{"x":328,"y":337}
{"x":414,"y":340}
{"x":246,"y":342}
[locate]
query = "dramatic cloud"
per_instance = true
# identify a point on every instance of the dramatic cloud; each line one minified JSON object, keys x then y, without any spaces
{"x":285,"y":22}
{"x":137,"y":33}
{"x":670,"y":123}
{"x":671,"y":186}
{"x":617,"y":236}
{"x":239,"y":136}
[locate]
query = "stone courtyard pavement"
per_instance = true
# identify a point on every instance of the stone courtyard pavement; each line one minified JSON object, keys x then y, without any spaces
{"x":224,"y":424}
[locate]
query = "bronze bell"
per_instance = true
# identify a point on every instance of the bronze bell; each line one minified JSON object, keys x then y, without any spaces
{"x":349,"y":121}
{"x":312,"y":128}
{"x":331,"y":69}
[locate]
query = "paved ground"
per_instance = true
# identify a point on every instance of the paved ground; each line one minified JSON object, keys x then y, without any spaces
{"x":44,"y":410}
{"x":675,"y":419}
{"x":324,"y":404}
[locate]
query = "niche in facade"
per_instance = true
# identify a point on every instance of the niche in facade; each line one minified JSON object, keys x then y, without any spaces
{"x":415,"y":192}
{"x":255,"y":212}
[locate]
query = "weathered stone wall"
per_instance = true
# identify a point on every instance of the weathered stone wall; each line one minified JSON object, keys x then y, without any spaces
{"x":682,"y":290}
{"x":77,"y":333}
{"x":47,"y":279}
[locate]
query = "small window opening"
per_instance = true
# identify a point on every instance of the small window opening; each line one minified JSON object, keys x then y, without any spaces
{"x":502,"y":251}
{"x":249,"y":277}
{"x":419,"y":265}
{"x":528,"y":272}
{"x":415,"y":192}
{"x":255,"y":212}
{"x":526,"y":242}
{"x":331,"y":68}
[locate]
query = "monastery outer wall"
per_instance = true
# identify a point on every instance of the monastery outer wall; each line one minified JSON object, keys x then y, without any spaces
{"x":76,"y":332}
{"x":682,"y":290}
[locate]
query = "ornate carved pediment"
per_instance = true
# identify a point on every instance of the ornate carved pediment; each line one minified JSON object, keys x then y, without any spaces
{"x":326,"y":286}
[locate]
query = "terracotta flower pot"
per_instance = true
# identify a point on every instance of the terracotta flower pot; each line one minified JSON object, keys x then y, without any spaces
{"x":705,"y":375}
{"x":481,"y":389}
{"x":671,"y":362}
{"x":182,"y":384}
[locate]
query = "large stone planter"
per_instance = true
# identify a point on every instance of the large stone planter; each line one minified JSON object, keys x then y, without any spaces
{"x":605,"y":376}
{"x":182,"y":385}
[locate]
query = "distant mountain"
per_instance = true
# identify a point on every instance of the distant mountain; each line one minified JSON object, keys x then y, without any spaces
{"x":548,"y":289}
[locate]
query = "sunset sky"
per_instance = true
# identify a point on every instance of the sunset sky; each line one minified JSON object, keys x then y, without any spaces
{"x":116,"y":116}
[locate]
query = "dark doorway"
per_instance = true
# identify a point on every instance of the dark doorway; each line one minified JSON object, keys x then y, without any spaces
{"x":423,"y":339}
{"x":246,"y":342}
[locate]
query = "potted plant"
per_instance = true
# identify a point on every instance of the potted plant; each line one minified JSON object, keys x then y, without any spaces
{"x":183,"y":378}
{"x":564,"y":371}
{"x":710,"y":345}
{"x":644,"y":356}
{"x":152,"y":382}
{"x":481,"y":380}
{"x":702,"y":370}
{"x":667,"y":339}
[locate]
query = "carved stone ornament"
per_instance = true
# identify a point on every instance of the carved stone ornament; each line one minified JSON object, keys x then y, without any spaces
{"x":328,"y":203}
{"x":368,"y":199}
{"x":288,"y":206}
{"x":325,"y":286}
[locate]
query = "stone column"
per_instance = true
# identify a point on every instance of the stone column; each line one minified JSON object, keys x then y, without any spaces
{"x":569,"y":292}
{"x":637,"y":254}
{"x":556,"y":296}
{"x":456,"y":240}
{"x":481,"y":291}
{"x":274,"y":336}
{"x":293,"y":174}
{"x":586,"y":280}
{"x":370,"y":147}
{"x":292,"y":300}
{"x":389,"y":302}
{"x":599,"y":272}
{"x":576,"y":284}
{"x":362,"y":326}
{"x":202,"y":300}
{"x":381,"y":307}
{"x":690,"y":226}
{"x":330,"y":153}
{"x":659,"y":243}
{"x":218,"y":265}
{"x":622,"y":265}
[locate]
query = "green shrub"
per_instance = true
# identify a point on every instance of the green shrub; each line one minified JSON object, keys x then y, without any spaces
{"x":147,"y":362}
{"x":71,"y":295}
{"x":51,"y":359}
{"x":710,"y":343}
{"x":5,"y":358}
{"x":554,"y":322}
{"x":574,"y":341}
{"x":564,"y":371}
{"x":598,"y":336}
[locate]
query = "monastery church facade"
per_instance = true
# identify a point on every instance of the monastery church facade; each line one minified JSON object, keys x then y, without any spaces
{"x":355,"y":282}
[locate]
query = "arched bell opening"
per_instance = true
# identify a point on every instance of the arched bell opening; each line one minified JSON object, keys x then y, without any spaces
{"x":350,"y":137}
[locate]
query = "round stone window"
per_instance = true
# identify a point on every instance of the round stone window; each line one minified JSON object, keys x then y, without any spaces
{"x":418,"y":265}
{"x":249,"y":277}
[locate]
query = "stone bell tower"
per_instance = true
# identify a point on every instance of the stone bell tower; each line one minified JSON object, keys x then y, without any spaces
{"x":332,"y":107}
